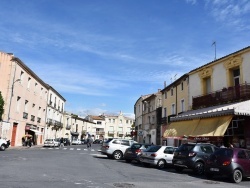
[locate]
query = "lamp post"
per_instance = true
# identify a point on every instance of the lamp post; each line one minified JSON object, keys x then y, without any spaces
{"x":12,"y":88}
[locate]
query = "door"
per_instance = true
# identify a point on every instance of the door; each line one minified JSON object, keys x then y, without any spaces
{"x":13,"y":137}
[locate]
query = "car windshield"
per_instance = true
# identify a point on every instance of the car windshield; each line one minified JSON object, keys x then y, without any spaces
{"x":153,"y":148}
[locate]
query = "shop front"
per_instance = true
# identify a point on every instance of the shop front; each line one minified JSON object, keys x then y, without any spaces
{"x":221,"y":125}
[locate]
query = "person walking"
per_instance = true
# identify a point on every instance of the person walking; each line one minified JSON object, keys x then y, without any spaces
{"x":89,"y":140}
{"x":61,"y":142}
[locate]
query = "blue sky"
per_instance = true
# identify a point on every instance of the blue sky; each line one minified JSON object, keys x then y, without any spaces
{"x":102,"y":55}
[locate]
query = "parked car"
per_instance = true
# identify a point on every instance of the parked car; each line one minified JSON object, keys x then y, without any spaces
{"x":4,"y":144}
{"x":193,"y":156}
{"x":51,"y":143}
{"x":231,"y":162}
{"x":76,"y":142}
{"x":158,"y":156}
{"x":115,"y":148}
{"x":134,"y":152}
{"x":83,"y":141}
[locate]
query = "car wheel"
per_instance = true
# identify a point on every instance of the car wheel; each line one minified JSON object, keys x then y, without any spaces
{"x":117,"y":155}
{"x":161,"y":164}
{"x":199,"y":168}
{"x":2,"y":148}
{"x":146,"y":164}
{"x":128,"y":160}
{"x":178,"y":169}
{"x":236,"y":177}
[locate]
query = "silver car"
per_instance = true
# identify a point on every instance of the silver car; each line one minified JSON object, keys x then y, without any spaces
{"x":158,"y":156}
{"x":115,"y":148}
{"x":51,"y":143}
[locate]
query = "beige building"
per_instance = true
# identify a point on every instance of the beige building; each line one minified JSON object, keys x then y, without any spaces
{"x":138,"y":108}
{"x":150,"y":120}
{"x":174,"y":102}
{"x":25,"y":96}
{"x":219,"y":97}
{"x":54,"y":116}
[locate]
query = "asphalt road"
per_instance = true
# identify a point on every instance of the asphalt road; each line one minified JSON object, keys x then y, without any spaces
{"x":76,"y":166}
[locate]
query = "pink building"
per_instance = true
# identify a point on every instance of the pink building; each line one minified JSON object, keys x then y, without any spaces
{"x":25,"y":101}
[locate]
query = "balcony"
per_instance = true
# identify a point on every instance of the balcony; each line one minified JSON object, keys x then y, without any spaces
{"x":119,"y":133}
{"x":25,"y":115}
{"x":100,"y":133}
{"x":226,"y":95}
{"x":111,"y":132}
{"x":68,"y":127}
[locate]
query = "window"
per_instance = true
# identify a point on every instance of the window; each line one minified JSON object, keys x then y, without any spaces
{"x":18,"y":104}
{"x":165,"y":112}
{"x":172,"y":92}
{"x":125,"y":142}
{"x":109,"y":120}
{"x":173,"y":109}
{"x":29,"y":80}
{"x":120,"y":121}
{"x":116,"y":142}
{"x":169,"y":150}
{"x":127,"y":121}
{"x":149,"y":121}
{"x":236,"y":77}
{"x":206,"y":149}
{"x":182,"y":105}
{"x":99,"y":122}
{"x":21,"y":76}
{"x":182,"y":87}
{"x":207,"y":85}
{"x":32,"y":118}
{"x":165,"y":94}
{"x":26,"y":106}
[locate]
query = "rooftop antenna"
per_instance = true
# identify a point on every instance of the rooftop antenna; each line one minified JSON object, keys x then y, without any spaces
{"x":214,"y":44}
{"x":175,"y":77}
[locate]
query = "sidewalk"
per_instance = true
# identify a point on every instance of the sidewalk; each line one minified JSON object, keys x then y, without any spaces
{"x":24,"y":147}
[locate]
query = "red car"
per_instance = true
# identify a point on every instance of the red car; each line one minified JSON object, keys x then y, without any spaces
{"x":231,"y":162}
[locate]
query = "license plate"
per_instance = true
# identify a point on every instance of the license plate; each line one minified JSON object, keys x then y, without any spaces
{"x":214,"y":169}
{"x":179,"y":162}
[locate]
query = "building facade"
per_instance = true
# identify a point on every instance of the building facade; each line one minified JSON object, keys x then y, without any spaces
{"x":25,"y":96}
{"x":220,"y":96}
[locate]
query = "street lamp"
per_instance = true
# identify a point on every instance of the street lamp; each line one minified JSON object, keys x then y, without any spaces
{"x":12,"y":88}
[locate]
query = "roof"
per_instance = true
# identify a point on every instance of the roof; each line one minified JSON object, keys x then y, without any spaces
{"x":239,"y":108}
{"x":234,"y":53}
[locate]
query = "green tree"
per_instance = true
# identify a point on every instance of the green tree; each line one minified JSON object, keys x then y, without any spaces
{"x":1,"y":106}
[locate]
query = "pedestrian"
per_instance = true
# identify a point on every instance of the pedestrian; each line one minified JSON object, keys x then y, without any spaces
{"x":30,"y":141}
{"x":61,"y":142}
{"x":89,"y":140}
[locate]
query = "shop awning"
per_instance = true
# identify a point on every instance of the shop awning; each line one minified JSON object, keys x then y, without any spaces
{"x":36,"y":132}
{"x":180,"y":128}
{"x":215,"y":126}
{"x":239,"y":108}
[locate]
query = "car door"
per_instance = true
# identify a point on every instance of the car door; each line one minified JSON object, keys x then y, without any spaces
{"x":243,"y":161}
{"x":248,"y":162}
{"x":168,"y":154}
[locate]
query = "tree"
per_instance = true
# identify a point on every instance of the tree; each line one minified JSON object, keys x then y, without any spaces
{"x":1,"y":106}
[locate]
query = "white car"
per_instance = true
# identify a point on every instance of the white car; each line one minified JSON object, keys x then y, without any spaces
{"x":76,"y":142}
{"x":51,"y":143}
{"x":158,"y":156}
{"x":4,"y":144}
{"x":115,"y":148}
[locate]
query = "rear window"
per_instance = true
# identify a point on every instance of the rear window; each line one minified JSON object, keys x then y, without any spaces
{"x":108,"y":140}
{"x":224,"y":152}
{"x":153,"y":148}
{"x":136,"y":146}
{"x":186,"y":147}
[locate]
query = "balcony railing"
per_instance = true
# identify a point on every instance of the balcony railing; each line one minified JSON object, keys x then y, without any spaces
{"x":111,"y":132}
{"x":100,"y":132}
{"x":226,"y":95}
